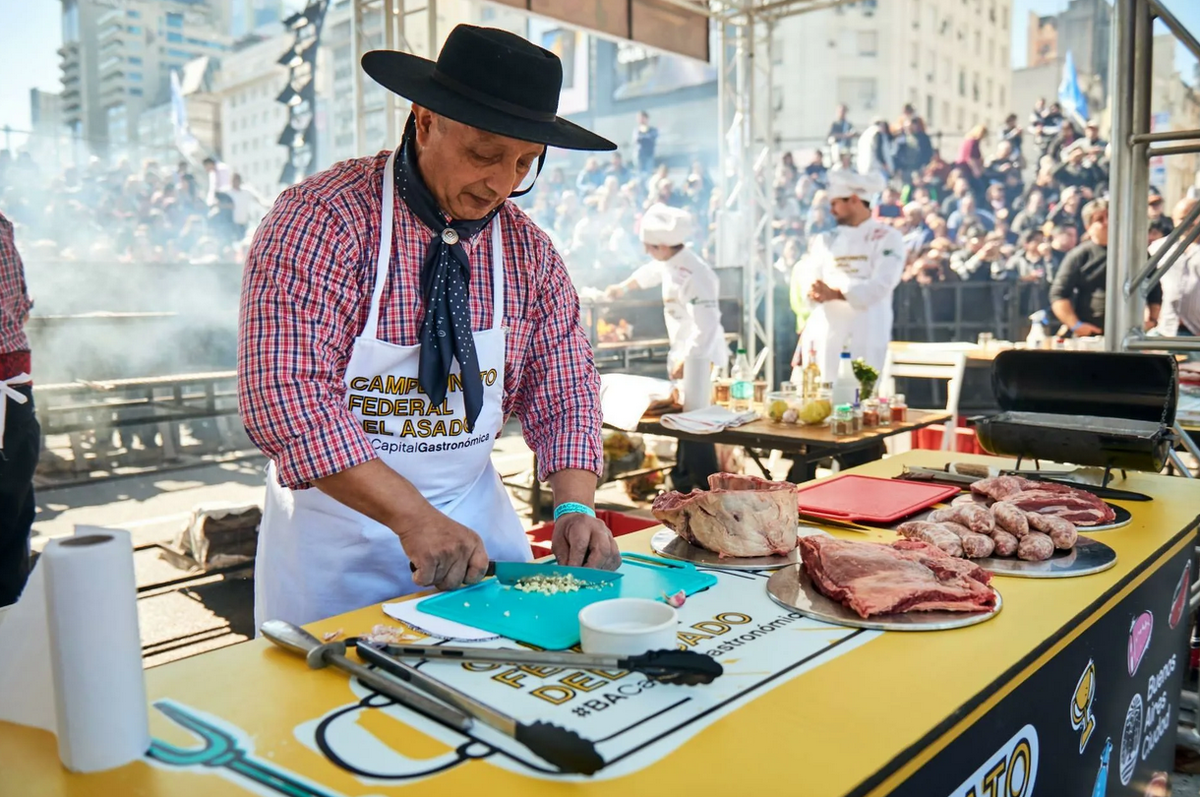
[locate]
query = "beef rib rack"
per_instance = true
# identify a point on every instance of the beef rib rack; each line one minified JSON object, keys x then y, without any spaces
{"x":736,"y":516}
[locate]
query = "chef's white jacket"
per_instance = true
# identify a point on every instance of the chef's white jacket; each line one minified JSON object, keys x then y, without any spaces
{"x":690,"y":291}
{"x":865,"y":263}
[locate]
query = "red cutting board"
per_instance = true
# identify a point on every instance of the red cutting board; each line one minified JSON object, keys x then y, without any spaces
{"x":866,"y":499}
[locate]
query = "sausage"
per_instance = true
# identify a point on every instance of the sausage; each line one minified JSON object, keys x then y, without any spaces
{"x":1048,"y":524}
{"x":1035,"y":547}
{"x":1010,"y":518}
{"x":933,"y":534}
{"x":1006,"y":544}
{"x":958,"y":529}
{"x":977,"y":517}
{"x":977,"y":546}
{"x":1061,"y":530}
{"x":966,"y":499}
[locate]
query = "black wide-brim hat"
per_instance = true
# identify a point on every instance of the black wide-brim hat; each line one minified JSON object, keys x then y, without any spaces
{"x":489,"y":79}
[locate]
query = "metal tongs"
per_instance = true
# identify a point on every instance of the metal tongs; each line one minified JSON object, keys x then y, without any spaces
{"x":683,"y":667}
{"x":563,"y":748}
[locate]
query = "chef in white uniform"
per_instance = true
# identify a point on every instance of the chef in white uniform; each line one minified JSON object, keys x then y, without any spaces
{"x":850,"y":274}
{"x":690,"y":288}
{"x":396,"y":309}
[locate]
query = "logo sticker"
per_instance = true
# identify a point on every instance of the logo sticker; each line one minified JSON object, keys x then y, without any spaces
{"x":1131,"y":739}
{"x":1082,"y":718}
{"x":1011,"y":770}
{"x":1180,"y":601}
{"x":1139,"y":640}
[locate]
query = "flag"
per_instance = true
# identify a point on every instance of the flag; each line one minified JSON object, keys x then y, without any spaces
{"x":187,"y":144}
{"x":1070,"y":96}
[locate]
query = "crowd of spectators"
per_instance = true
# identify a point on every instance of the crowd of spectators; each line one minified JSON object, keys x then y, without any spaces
{"x":125,"y":214}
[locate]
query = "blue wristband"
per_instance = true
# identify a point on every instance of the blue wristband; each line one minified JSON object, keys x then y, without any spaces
{"x":571,"y":507}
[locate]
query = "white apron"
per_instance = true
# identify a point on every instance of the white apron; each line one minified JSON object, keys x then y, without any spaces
{"x":317,"y":557}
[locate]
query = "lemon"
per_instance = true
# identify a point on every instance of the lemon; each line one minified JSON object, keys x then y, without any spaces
{"x":776,"y":409}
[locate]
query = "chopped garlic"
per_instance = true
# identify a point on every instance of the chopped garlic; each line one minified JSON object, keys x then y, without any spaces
{"x":551,"y":584}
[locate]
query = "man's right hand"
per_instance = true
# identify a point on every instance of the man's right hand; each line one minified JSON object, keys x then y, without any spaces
{"x":445,"y":554}
{"x":1086,"y":330}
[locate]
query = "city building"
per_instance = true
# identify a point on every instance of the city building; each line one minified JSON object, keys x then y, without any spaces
{"x":1083,"y":29}
{"x":49,"y":141}
{"x":260,"y":16}
{"x":247,"y":85}
{"x":949,"y":59}
{"x":117,"y":57}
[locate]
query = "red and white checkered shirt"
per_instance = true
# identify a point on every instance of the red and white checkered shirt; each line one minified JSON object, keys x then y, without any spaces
{"x":306,"y":294}
{"x":14,"y":298}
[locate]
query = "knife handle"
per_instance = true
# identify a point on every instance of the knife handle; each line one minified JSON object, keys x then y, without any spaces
{"x":491,"y":568}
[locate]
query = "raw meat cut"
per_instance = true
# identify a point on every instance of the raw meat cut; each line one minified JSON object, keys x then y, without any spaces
{"x":737,"y":516}
{"x":1048,"y":498}
{"x":908,"y":575}
{"x":1079,"y":507}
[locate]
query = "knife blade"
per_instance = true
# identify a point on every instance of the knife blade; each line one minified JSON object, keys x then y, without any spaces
{"x":512,"y":572}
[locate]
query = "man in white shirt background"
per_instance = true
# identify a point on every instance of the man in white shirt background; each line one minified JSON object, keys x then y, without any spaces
{"x":1180,"y":314}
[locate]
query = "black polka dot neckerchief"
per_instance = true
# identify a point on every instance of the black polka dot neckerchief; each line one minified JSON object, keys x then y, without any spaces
{"x":445,"y":288}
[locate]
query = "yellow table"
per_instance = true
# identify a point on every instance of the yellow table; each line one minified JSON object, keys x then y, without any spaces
{"x":1052,"y":690}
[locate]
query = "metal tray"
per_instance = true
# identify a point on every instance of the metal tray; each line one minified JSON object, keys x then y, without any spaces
{"x":792,"y":588}
{"x":1087,"y":557}
{"x":668,"y":544}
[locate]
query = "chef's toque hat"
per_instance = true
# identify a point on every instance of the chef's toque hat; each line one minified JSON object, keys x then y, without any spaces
{"x":663,"y":225}
{"x":844,"y":184}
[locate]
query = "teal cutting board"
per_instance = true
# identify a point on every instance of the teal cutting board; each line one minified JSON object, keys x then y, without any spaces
{"x":552,"y":621}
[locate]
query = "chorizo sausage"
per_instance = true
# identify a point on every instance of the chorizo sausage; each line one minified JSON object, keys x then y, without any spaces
{"x":975,"y":517}
{"x":1010,"y":518}
{"x":1035,"y":547}
{"x":1061,"y":530}
{"x":933,"y":534}
{"x":1006,"y":544}
{"x":977,"y":546}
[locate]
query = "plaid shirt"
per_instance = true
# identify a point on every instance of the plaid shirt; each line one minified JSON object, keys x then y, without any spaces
{"x":306,"y":294}
{"x":14,"y":299}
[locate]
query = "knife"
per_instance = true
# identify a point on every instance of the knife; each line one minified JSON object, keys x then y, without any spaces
{"x":511,"y":572}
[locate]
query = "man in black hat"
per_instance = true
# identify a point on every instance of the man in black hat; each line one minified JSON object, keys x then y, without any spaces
{"x":396,"y":309}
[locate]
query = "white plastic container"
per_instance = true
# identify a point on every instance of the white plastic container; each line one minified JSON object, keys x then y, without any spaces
{"x":627,"y":627}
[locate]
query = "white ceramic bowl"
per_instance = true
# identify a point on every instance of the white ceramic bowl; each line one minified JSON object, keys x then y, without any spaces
{"x":627,"y":626}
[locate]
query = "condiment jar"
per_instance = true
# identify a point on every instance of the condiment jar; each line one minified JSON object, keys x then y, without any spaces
{"x":843,"y":420}
{"x":899,"y":408}
{"x":870,"y":414}
{"x":885,"y":411}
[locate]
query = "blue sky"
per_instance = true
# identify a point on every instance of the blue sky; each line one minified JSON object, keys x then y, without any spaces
{"x":31,"y":34}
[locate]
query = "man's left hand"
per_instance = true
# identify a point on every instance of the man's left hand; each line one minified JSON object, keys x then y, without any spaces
{"x":580,"y":540}
{"x":823,"y":293}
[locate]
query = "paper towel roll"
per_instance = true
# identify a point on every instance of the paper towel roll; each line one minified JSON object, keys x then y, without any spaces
{"x":71,"y":656}
{"x":697,"y":383}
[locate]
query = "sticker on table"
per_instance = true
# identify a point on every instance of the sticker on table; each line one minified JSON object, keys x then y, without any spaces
{"x":1157,"y":724}
{"x":1179,"y":601}
{"x":225,"y":750}
{"x":1011,"y":770}
{"x":1131,"y":739}
{"x":634,"y":721}
{"x":1082,"y":718}
{"x":1140,"y":631}
{"x":1100,"y":787}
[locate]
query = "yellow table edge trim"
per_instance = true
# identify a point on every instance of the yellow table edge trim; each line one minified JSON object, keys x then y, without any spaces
{"x":907,"y":769}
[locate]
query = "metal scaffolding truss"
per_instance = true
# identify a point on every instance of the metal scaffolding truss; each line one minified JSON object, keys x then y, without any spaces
{"x":398,"y":20}
{"x":1131,"y":276}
